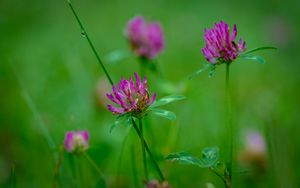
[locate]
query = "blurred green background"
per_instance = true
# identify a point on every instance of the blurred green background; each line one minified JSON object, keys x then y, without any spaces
{"x":49,"y":76}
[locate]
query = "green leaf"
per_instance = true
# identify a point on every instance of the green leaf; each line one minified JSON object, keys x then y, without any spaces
{"x":116,"y":56}
{"x":167,"y":100}
{"x":208,"y":66}
{"x":203,"y":69}
{"x":121,"y":120}
{"x":209,"y":157}
{"x":183,"y":158}
{"x":260,"y":59}
{"x":164,"y":113}
{"x":260,"y":48}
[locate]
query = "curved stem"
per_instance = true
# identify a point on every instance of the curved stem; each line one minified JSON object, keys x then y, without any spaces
{"x":84,"y":33}
{"x":149,"y":152}
{"x":221,"y":177}
{"x":229,"y":119}
{"x":143,"y":148}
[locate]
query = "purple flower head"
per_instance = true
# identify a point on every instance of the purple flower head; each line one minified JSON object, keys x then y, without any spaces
{"x":132,"y":97}
{"x":220,"y":44}
{"x":76,"y":141}
{"x":146,"y":38}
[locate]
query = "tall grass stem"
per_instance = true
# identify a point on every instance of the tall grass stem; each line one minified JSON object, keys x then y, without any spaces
{"x":36,"y":115}
{"x":85,"y":34}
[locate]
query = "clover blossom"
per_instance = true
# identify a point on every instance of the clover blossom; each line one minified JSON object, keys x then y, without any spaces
{"x":132,"y":97}
{"x":145,"y":38}
{"x":76,"y":141}
{"x":220,"y":44}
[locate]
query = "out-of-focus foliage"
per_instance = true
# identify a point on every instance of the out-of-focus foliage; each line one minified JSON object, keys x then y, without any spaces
{"x":49,"y":79}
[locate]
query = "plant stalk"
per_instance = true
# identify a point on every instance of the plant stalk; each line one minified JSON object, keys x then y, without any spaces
{"x":229,"y":121}
{"x":84,"y":33}
{"x":149,"y":152}
{"x":143,"y":148}
{"x":74,"y":170}
{"x":143,"y":64}
{"x":226,"y":182}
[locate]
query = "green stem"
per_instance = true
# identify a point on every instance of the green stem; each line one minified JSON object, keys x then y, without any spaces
{"x":221,"y":177}
{"x":158,"y":70}
{"x":149,"y":152}
{"x":74,"y":170}
{"x":143,"y":64}
{"x":143,"y":148}
{"x":149,"y":64}
{"x":229,"y":120}
{"x":84,"y":33}
{"x":92,"y":162}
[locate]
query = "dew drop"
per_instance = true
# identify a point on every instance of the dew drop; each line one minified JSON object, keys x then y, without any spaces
{"x":83,"y":33}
